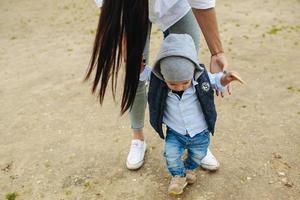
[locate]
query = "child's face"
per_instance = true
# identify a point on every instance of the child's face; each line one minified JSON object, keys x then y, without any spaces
{"x":178,"y":85}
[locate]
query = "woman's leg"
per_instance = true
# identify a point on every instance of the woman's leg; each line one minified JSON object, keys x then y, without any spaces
{"x":137,"y":150}
{"x":137,"y":112}
{"x":187,"y":25}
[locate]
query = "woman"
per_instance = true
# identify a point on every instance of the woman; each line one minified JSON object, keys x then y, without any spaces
{"x":124,"y":28}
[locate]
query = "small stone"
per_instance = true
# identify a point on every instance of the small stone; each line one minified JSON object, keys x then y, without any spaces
{"x":134,"y":179}
{"x":286,"y":182}
{"x":7,"y":167}
{"x":289,"y":184}
{"x":210,"y":193}
{"x":286,"y":164}
{"x":271,"y":182}
{"x":281,"y":174}
{"x":13,"y":177}
{"x":249,"y":178}
{"x":277,"y":155}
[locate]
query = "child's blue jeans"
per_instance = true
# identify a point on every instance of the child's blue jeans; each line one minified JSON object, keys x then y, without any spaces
{"x":176,"y":143}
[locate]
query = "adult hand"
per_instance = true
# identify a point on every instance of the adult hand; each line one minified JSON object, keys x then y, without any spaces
{"x":218,"y":63}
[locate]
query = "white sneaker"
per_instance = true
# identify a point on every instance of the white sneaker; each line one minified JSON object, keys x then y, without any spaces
{"x":136,"y":154}
{"x":209,"y":162}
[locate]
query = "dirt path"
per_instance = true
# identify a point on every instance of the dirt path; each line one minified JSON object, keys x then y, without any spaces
{"x":56,"y":142}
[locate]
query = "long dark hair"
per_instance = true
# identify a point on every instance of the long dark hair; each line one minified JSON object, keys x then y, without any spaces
{"x":122,"y":28}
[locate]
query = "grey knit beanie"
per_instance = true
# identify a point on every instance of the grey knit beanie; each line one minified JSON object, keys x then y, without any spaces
{"x":177,"y":68}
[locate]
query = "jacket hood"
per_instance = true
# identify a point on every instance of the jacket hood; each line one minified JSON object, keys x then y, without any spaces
{"x":181,"y":45}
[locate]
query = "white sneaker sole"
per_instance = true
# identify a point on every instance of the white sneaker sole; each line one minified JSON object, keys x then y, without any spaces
{"x":134,"y":166}
{"x":210,"y":167}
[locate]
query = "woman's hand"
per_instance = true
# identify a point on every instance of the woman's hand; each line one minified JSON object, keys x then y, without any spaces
{"x":218,"y":63}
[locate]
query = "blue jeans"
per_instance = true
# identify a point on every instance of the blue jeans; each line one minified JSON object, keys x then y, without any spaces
{"x":176,"y":143}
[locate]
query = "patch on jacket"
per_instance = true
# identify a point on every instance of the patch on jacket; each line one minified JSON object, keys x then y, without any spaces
{"x":205,"y":86}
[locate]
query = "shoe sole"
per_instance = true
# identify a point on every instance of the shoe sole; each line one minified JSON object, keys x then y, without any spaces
{"x":177,"y":193}
{"x":134,"y":166}
{"x":210,"y":167}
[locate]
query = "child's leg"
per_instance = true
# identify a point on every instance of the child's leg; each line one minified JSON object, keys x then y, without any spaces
{"x":197,"y":150}
{"x":172,"y":153}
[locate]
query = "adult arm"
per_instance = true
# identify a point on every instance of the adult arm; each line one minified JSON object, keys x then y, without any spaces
{"x":205,"y":14}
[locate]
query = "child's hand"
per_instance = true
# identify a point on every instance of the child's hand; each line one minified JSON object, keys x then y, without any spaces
{"x":229,"y":77}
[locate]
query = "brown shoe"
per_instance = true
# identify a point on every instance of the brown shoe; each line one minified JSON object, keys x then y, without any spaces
{"x":191,"y":176}
{"x":177,"y":185}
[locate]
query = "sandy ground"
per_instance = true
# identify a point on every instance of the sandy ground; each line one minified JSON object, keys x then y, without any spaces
{"x":56,"y":142}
